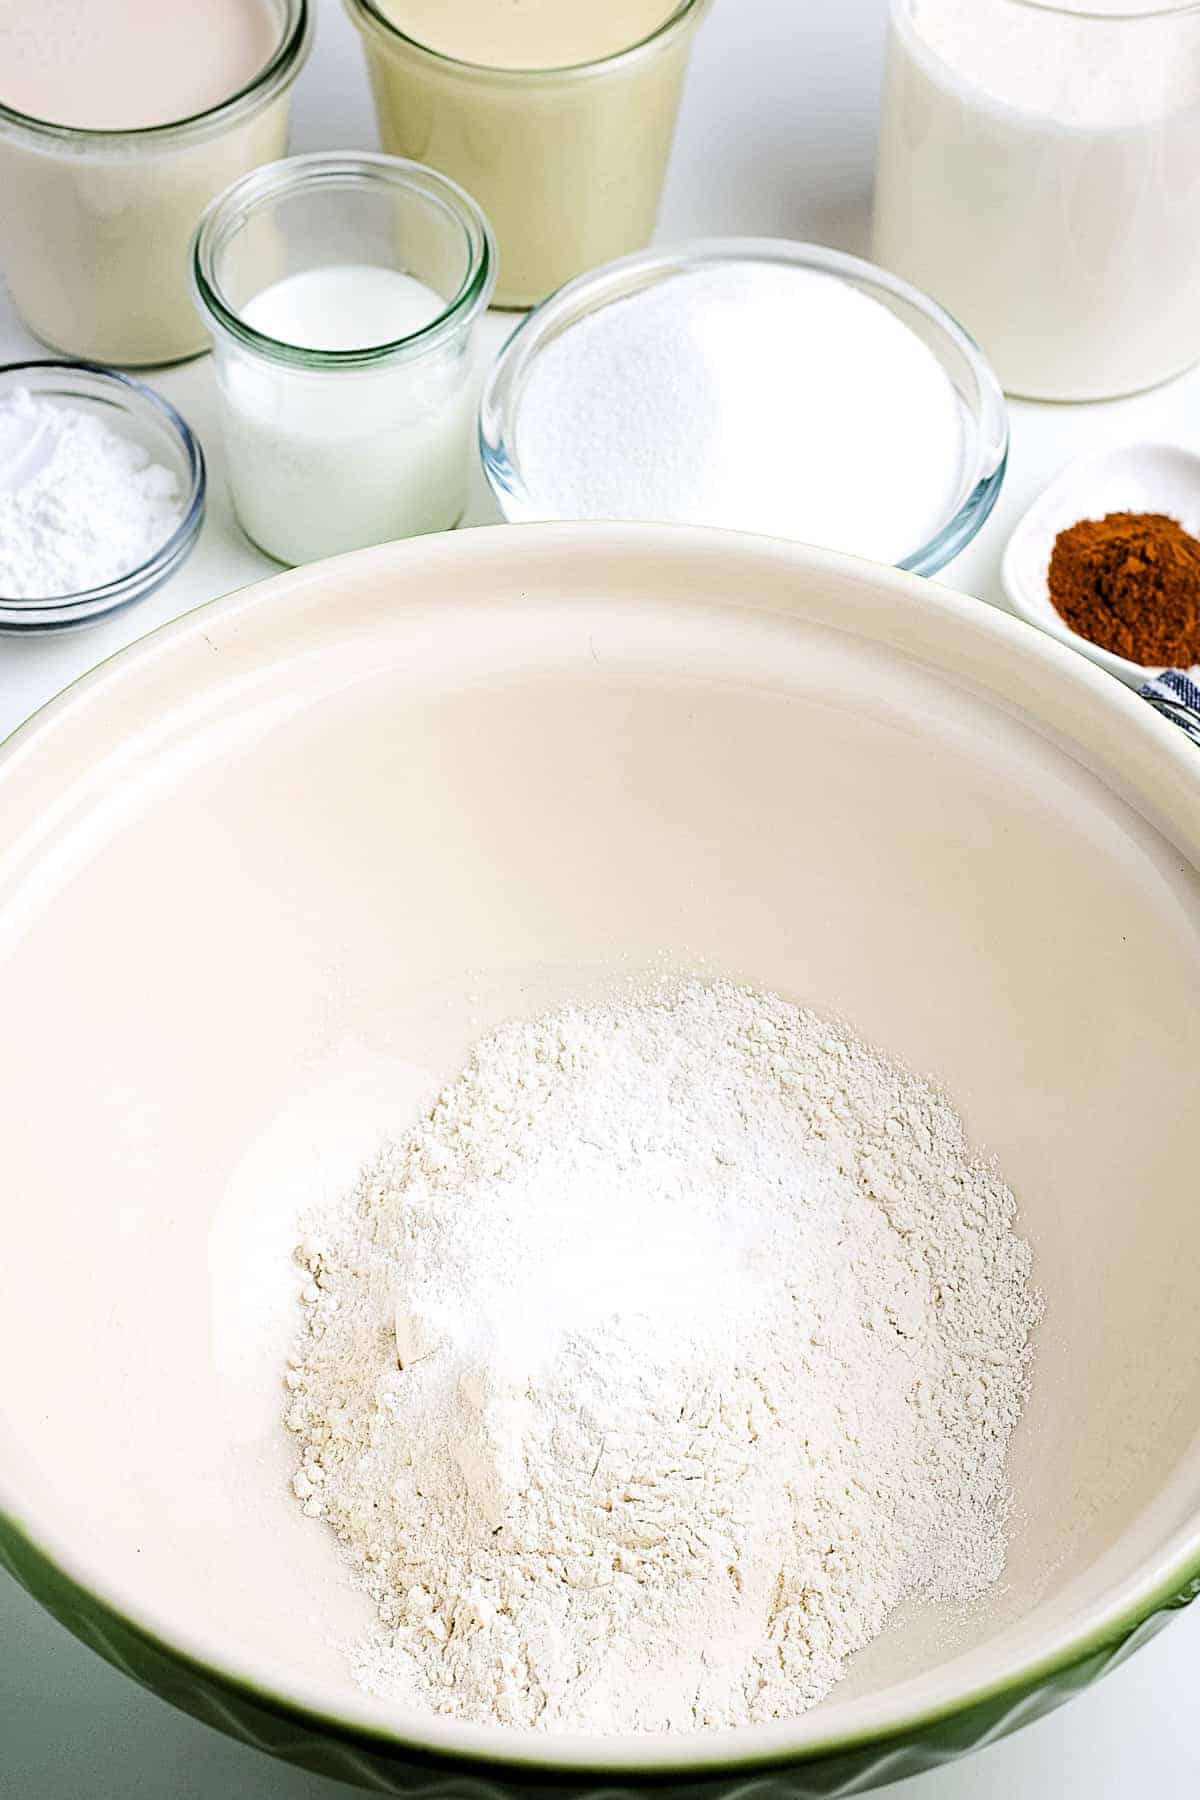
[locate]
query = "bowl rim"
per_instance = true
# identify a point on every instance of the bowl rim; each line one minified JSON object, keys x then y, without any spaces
{"x":1027,"y":669}
{"x":133,"y":398}
{"x":499,"y":403}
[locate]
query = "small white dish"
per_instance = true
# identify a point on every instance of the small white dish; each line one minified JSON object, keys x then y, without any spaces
{"x":1161,"y":478}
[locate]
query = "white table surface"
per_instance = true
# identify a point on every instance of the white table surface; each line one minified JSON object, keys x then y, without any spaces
{"x":776,"y":137}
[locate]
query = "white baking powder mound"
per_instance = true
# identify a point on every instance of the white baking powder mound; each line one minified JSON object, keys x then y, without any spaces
{"x":678,"y":1341}
{"x":754,"y":396}
{"x":81,"y":504}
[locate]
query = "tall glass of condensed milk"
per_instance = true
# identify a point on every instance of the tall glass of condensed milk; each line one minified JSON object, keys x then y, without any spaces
{"x":557,"y":115}
{"x":119,"y":122}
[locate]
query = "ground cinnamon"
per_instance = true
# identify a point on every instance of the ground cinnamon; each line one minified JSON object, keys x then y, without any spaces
{"x":1131,"y":583}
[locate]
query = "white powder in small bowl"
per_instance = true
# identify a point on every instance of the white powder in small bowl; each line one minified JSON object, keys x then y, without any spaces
{"x":677,"y":1342}
{"x":747,"y":395}
{"x":80,"y":503}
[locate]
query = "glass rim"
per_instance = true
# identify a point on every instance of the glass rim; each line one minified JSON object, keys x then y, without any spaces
{"x":1124,"y":16}
{"x":273,"y":181}
{"x":1094,"y":15}
{"x":369,"y":13}
{"x":278,"y":72}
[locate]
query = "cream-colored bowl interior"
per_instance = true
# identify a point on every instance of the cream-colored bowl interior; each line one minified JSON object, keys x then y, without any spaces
{"x":263,"y":879}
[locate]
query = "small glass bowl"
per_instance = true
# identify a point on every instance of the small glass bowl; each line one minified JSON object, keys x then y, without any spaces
{"x":985,"y":415}
{"x":137,"y":412}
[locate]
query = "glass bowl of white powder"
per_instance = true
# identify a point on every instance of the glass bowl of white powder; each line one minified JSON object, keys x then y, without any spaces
{"x":755,"y":384}
{"x":102,"y":493}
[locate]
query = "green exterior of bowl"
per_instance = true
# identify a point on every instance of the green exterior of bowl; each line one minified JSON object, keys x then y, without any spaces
{"x":380,"y":1765}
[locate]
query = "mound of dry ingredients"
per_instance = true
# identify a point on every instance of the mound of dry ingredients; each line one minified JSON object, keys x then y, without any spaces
{"x":679,"y":1342}
{"x":80,"y":504}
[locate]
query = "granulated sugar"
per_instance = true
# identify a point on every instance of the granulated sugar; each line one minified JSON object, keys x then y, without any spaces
{"x":678,"y":1343}
{"x":754,"y":396}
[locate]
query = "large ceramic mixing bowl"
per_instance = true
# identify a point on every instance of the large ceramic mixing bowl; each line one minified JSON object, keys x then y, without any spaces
{"x":264,"y":877}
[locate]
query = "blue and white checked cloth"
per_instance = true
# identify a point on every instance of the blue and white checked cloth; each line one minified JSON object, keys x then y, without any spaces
{"x":1177,"y":697}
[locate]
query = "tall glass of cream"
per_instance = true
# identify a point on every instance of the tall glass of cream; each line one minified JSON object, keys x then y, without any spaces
{"x":557,"y":114}
{"x":1039,"y":174}
{"x":119,"y":121}
{"x":341,"y":292}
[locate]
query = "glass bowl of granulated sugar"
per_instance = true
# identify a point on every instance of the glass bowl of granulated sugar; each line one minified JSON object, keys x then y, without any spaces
{"x":102,"y":490}
{"x":754,"y":384}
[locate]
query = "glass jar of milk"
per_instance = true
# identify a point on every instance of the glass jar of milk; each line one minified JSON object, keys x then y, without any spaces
{"x":1039,"y":174}
{"x":341,"y":292}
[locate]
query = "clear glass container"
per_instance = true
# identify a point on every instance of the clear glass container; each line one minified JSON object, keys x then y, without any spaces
{"x":983,"y":413}
{"x":137,"y":412}
{"x":567,"y":163}
{"x":331,"y":450}
{"x":95,"y":225}
{"x":1039,"y":174}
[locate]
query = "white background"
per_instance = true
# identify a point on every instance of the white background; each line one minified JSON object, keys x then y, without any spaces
{"x":776,"y":137}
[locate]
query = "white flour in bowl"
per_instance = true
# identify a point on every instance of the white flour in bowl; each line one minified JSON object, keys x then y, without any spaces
{"x":679,"y":1342}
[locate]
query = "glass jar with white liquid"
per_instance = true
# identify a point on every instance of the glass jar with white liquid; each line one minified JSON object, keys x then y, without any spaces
{"x":1039,"y":174}
{"x":341,"y":293}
